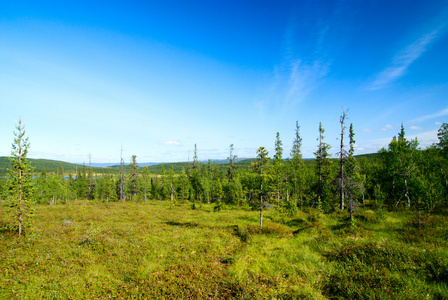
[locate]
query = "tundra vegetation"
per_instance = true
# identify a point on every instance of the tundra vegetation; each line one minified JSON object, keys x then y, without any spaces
{"x":349,"y":227}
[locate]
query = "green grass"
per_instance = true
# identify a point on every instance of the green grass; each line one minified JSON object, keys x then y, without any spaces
{"x":90,"y":250}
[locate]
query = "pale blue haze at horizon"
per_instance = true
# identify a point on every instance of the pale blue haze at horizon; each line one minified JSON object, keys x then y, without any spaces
{"x":157,"y":78}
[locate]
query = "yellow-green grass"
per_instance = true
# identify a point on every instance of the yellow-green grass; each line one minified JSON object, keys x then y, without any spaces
{"x":94,"y":250}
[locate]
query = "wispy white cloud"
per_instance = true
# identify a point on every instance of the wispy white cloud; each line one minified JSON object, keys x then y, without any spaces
{"x":415,"y":128}
{"x":387,"y":127}
{"x":299,"y":72}
{"x":368,"y":130}
{"x":303,"y":78}
{"x":438,"y":123}
{"x":441,"y":113}
{"x":404,"y":59}
{"x":426,"y":138}
{"x":170,"y":143}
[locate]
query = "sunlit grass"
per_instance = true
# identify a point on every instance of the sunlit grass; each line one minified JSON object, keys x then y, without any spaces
{"x":88,"y":249}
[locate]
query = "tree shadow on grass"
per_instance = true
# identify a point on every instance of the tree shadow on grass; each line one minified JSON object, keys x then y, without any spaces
{"x":182,"y":224}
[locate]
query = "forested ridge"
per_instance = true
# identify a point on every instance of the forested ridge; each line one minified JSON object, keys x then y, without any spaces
{"x":400,"y":176}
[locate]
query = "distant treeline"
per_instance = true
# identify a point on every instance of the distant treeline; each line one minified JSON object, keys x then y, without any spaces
{"x":403,"y":175}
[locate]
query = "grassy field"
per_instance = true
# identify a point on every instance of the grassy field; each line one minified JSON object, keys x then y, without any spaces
{"x":96,"y":250}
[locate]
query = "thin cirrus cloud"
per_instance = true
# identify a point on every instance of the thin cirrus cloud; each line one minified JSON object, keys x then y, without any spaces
{"x":404,"y":59}
{"x":170,"y":143}
{"x":297,"y":75}
{"x":443,"y":112}
{"x":387,"y":127}
{"x":303,"y":79}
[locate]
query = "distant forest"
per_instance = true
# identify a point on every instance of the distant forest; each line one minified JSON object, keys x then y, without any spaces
{"x":399,"y":176}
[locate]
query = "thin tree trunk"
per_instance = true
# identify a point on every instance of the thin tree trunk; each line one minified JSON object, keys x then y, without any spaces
{"x":407,"y":193}
{"x":341,"y":162}
{"x":261,"y":200}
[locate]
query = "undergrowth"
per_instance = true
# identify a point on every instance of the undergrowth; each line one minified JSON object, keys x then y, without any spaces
{"x":87,"y":249}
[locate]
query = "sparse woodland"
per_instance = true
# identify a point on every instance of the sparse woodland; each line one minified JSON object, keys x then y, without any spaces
{"x":341,"y":227}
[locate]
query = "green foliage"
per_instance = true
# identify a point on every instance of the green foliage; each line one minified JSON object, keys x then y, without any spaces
{"x":290,"y":208}
{"x":278,"y":169}
{"x":296,"y":171}
{"x":40,"y":165}
{"x":20,"y":204}
{"x":133,"y":182}
{"x":324,"y":172}
{"x":149,"y":250}
{"x":443,"y":138}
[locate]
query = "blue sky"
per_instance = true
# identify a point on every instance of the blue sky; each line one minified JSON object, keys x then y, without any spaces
{"x":157,"y":77}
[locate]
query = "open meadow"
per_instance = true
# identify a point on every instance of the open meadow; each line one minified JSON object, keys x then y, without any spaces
{"x":123,"y":250}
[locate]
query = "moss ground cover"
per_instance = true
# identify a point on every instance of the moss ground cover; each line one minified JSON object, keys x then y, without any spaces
{"x":89,"y":249}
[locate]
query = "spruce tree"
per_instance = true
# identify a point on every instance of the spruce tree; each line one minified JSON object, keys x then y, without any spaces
{"x":171,"y":184}
{"x":183,"y":185}
{"x":232,"y":167}
{"x":145,"y":175}
{"x":195,"y":177}
{"x":297,"y":167}
{"x":323,"y":167}
{"x":342,"y":159}
{"x":260,"y":167}
{"x":121,"y":184}
{"x":90,"y":180}
{"x":353,"y":181}
{"x":278,"y":167}
{"x":20,"y":211}
{"x":195,"y":158}
{"x":133,"y":177}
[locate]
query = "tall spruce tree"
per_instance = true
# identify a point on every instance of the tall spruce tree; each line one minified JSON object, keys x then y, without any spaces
{"x":278,"y":167}
{"x":195,"y":177}
{"x":353,"y":182}
{"x":195,"y":158}
{"x":20,"y":211}
{"x":171,"y":185}
{"x":323,"y":167}
{"x":342,"y":159}
{"x":133,"y":177}
{"x":232,"y":167}
{"x":145,"y":176}
{"x":121,"y":183}
{"x":260,"y":167}
{"x":183,"y":185}
{"x":297,"y":168}
{"x":90,"y":180}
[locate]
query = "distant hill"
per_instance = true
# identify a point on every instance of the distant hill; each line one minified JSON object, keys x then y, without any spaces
{"x":106,"y":165}
{"x":154,"y":168}
{"x":45,"y":164}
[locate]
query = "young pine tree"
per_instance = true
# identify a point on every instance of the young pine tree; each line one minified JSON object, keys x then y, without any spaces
{"x":20,"y":210}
